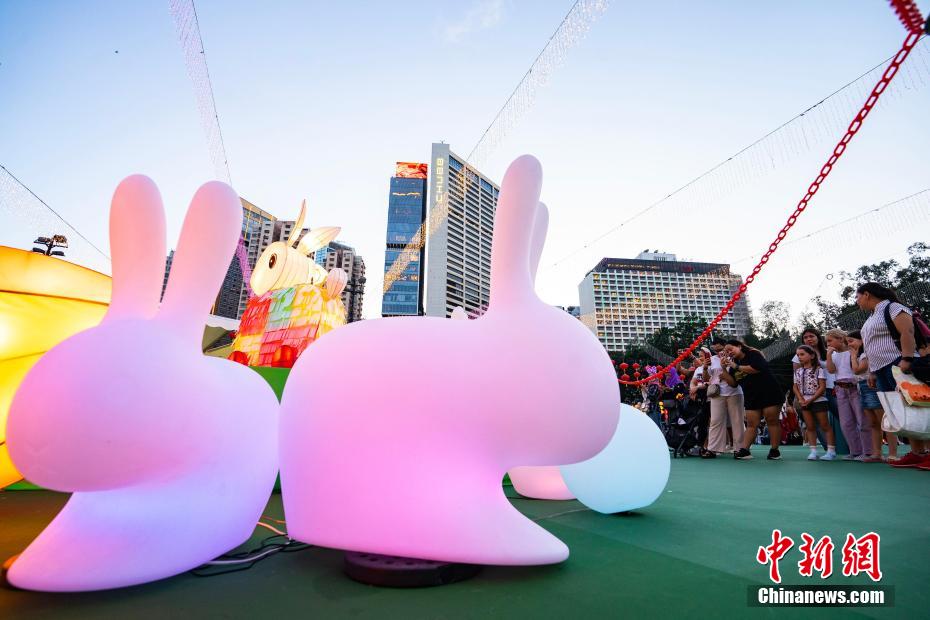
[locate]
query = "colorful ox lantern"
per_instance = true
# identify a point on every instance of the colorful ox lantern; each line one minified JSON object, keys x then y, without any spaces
{"x":296,"y":301}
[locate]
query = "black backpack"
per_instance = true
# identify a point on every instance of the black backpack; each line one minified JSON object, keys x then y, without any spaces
{"x":920,"y":367}
{"x":919,"y":337}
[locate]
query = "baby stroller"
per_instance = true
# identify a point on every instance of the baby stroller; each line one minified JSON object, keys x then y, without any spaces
{"x":686,"y":428}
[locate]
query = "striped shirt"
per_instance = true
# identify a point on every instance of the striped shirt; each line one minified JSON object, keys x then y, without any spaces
{"x":879,"y":345}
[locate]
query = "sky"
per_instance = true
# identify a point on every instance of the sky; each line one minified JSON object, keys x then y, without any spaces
{"x":317,"y":100}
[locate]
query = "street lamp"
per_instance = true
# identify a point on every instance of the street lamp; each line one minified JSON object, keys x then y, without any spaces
{"x":55,"y":241}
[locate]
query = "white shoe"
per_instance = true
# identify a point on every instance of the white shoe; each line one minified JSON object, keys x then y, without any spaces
{"x":861,"y":458}
{"x":829,"y":456}
{"x":850,"y":457}
{"x":812,"y":456}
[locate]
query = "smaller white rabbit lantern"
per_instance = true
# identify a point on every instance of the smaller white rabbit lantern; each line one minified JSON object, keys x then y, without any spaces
{"x":607,"y":482}
{"x":368,"y":464}
{"x":603,"y":482}
{"x":282,"y":266}
{"x":170,"y":455}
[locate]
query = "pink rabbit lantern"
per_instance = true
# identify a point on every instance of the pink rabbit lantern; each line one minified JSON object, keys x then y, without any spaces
{"x":171,"y":455}
{"x":369,"y":465}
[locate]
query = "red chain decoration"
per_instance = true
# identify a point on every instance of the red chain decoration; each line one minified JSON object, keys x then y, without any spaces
{"x":909,"y":15}
{"x":838,"y":151}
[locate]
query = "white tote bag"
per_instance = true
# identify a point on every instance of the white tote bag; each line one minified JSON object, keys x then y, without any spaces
{"x":902,"y":419}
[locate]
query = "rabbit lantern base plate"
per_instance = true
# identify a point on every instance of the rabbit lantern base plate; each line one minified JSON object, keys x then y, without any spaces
{"x":369,"y":465}
{"x":170,"y":455}
{"x":391,"y":571}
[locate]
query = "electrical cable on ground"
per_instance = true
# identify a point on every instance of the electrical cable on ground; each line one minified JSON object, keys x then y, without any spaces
{"x":280,"y":542}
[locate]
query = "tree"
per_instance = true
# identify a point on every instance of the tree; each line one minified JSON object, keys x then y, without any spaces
{"x":918,"y":266}
{"x":50,"y":243}
{"x":893,"y":275}
{"x":771,"y":326}
{"x":824,"y":316}
{"x":679,"y":335}
{"x":632,"y":354}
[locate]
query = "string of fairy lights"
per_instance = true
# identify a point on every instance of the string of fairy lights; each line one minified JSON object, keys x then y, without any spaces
{"x":817,"y":124}
{"x":905,"y":214}
{"x":813,"y":128}
{"x":184,"y":14}
{"x":569,"y":33}
{"x":576,"y":23}
{"x":18,"y":201}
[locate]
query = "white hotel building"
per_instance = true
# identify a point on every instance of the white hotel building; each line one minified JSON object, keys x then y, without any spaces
{"x":624,"y":300}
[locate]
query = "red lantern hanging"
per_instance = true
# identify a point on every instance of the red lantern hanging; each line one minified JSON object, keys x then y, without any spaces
{"x":636,"y":375}
{"x":635,"y":365}
{"x":624,"y":366}
{"x":625,"y":377}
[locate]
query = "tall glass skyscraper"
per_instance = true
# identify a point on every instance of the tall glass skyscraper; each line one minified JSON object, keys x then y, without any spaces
{"x":406,"y":213}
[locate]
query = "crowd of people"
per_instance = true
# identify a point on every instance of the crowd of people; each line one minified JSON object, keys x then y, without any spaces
{"x":836,"y":376}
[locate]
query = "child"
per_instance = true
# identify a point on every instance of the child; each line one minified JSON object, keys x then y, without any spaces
{"x":871,"y":406}
{"x":810,"y":385}
{"x":856,"y":426}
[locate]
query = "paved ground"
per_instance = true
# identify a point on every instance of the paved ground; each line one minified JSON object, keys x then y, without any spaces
{"x":691,"y":554}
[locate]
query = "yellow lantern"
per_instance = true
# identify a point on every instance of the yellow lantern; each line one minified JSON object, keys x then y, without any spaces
{"x":43,"y":300}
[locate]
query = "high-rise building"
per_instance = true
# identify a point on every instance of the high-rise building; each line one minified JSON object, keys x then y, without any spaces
{"x":227,"y":300}
{"x":458,"y":251}
{"x":625,"y":300}
{"x":168,"y":260}
{"x":257,"y":230}
{"x":406,"y":213}
{"x":353,"y":295}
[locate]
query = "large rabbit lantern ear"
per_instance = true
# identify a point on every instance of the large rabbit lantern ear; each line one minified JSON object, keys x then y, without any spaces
{"x":137,"y":247}
{"x":317,"y":238}
{"x":514,"y":228}
{"x":208,"y":240}
{"x":298,"y":225}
